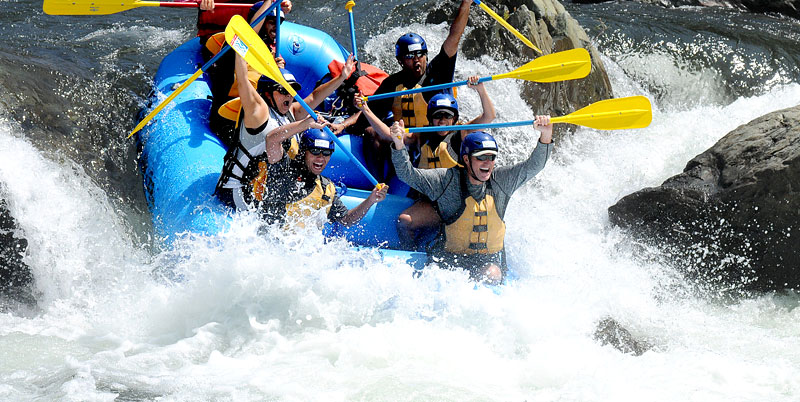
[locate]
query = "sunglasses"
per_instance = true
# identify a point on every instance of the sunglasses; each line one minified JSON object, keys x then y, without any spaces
{"x":282,"y":91}
{"x":320,"y":151}
{"x":442,"y":115}
{"x":485,"y":157}
{"x":413,"y":55}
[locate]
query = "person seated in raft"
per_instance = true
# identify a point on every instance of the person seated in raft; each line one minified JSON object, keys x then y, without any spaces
{"x":437,"y":150}
{"x":266,"y":107}
{"x":411,"y":52}
{"x":296,"y":189}
{"x":222,"y":79}
{"x":472,"y":198}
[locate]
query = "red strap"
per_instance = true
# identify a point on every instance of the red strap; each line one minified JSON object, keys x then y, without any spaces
{"x":367,"y":84}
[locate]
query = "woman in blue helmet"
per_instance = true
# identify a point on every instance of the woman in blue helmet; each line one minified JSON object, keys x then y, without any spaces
{"x":472,"y":199}
{"x":296,"y":188}
{"x":221,"y":73}
{"x":411,"y":52}
{"x":268,"y":107}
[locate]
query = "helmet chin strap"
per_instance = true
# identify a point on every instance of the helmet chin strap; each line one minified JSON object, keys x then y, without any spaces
{"x":270,"y":102}
{"x":472,"y":171}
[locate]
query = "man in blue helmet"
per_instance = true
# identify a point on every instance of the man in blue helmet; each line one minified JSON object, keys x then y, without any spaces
{"x":472,"y":199}
{"x":411,"y":52}
{"x":296,"y":188}
{"x":265,"y":109}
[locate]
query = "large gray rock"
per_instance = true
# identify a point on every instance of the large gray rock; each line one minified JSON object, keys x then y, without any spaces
{"x":14,"y":274}
{"x":733,"y":215}
{"x":548,"y":26}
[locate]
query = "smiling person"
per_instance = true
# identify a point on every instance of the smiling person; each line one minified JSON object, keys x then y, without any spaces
{"x":265,"y":108}
{"x":296,"y":188}
{"x":472,"y":198}
{"x":438,"y":149}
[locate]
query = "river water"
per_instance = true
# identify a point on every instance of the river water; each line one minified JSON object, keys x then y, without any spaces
{"x":291,"y":319}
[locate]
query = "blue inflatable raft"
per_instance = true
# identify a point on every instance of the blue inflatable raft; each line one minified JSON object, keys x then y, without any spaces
{"x":181,"y":159}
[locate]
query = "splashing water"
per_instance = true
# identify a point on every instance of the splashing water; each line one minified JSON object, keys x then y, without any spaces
{"x":291,"y":317}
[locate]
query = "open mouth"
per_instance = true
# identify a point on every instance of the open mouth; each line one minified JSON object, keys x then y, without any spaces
{"x":287,"y":103}
{"x":485,"y":170}
{"x":318,"y":165}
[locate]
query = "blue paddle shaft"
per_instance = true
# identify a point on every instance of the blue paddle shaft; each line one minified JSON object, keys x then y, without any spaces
{"x":228,"y":47}
{"x":338,"y":142}
{"x":277,"y":29}
{"x":424,"y":89}
{"x":430,"y":129}
{"x":353,"y":35}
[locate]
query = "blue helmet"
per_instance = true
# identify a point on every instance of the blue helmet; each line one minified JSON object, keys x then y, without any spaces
{"x":478,"y":143}
{"x":408,"y":43}
{"x":266,"y":83}
{"x":443,"y":102}
{"x":316,"y":138}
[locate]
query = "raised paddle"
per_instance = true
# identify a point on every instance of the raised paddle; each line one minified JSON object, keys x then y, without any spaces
{"x":507,"y":26}
{"x":104,"y":7}
{"x":567,"y":65}
{"x":194,"y":76}
{"x":609,"y":114}
{"x":349,"y":6}
{"x":244,"y":40}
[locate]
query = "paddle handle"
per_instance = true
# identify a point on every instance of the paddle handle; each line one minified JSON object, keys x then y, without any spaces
{"x":424,"y":89}
{"x":338,"y":142}
{"x":196,"y":74}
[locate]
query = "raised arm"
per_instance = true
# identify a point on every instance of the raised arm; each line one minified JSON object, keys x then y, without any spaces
{"x":379,"y":126}
{"x":430,"y":182}
{"x":256,"y":111}
{"x":278,"y":135}
{"x":450,"y":45}
{"x":321,"y":92}
{"x":486,"y":103}
{"x":510,"y":178}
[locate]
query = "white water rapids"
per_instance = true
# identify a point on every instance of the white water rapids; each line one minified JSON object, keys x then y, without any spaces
{"x":293,"y":319}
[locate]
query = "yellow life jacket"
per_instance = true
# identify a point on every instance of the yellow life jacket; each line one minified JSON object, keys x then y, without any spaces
{"x":411,"y":108}
{"x":479,"y":229}
{"x":259,"y":183}
{"x":320,"y":197}
{"x":441,"y":157}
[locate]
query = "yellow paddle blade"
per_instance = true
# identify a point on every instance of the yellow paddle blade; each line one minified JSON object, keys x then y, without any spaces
{"x":508,"y":26}
{"x":165,"y":102}
{"x":567,"y":65}
{"x":349,"y":6}
{"x":245,"y":41}
{"x":93,"y":7}
{"x":612,"y":114}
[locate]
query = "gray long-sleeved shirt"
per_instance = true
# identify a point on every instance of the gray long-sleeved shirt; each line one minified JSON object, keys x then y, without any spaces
{"x":443,"y":186}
